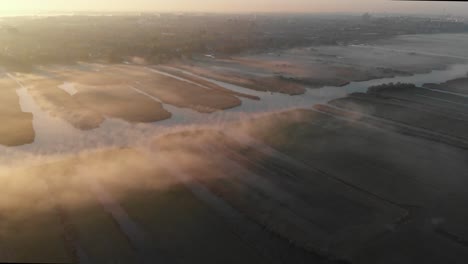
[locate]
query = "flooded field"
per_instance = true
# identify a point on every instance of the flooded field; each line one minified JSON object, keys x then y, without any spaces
{"x":59,"y":128}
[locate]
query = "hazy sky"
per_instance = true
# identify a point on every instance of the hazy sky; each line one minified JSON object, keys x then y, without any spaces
{"x":234,"y":6}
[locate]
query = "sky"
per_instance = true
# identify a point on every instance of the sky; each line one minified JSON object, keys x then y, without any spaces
{"x":313,"y":6}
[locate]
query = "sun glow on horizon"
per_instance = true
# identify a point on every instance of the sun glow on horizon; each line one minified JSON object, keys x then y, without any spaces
{"x":230,"y":6}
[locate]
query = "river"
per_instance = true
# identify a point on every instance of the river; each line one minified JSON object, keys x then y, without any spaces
{"x":56,"y":137}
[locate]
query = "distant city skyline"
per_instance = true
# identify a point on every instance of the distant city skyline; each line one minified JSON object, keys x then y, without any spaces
{"x":231,"y":6}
